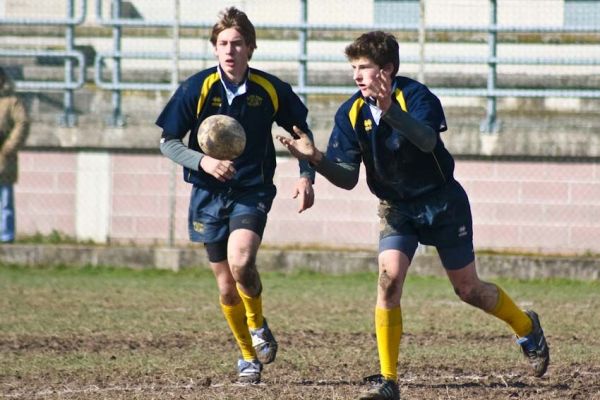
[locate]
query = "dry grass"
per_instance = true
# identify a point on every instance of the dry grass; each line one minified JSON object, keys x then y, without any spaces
{"x":104,"y":333}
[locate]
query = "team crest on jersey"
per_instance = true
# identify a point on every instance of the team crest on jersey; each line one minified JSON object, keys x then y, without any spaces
{"x":216,"y":101}
{"x":261,"y":206}
{"x":198,"y":226}
{"x":368,"y":125}
{"x":254,"y":100}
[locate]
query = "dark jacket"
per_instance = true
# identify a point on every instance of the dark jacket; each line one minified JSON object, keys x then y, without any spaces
{"x":14,"y":128}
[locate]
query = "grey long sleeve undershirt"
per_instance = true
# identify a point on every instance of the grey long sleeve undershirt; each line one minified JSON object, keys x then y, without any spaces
{"x":182,"y":155}
{"x":421,"y":135}
{"x":179,"y":152}
{"x":344,"y":175}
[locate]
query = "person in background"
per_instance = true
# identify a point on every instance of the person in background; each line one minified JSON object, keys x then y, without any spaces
{"x":230,"y":199}
{"x":14,"y":128}
{"x":392,"y":124}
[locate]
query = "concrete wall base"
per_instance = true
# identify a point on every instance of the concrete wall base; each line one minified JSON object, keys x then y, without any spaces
{"x":323,"y":261}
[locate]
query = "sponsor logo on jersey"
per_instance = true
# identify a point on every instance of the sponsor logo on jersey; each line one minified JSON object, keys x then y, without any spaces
{"x":261,"y":206}
{"x":198,"y":226}
{"x":254,"y":100}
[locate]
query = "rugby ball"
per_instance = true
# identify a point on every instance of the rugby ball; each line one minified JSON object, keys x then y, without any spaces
{"x":222,"y":137}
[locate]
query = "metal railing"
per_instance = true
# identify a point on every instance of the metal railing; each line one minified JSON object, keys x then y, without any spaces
{"x":68,"y":84}
{"x":491,"y":92}
{"x":116,"y":84}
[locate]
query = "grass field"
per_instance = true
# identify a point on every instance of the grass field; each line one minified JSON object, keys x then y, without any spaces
{"x":110,"y":333}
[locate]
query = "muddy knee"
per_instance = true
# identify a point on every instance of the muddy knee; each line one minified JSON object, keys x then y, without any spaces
{"x":246,"y":275}
{"x":470,"y":295}
{"x":387,"y":285}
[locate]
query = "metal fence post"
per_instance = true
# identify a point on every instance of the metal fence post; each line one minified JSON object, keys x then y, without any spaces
{"x":421,"y":74}
{"x":116,"y":118}
{"x":174,"y":83}
{"x":490,"y":124}
{"x":69,"y":119}
{"x":303,"y":50}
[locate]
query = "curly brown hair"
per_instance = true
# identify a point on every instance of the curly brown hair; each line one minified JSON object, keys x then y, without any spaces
{"x":231,"y":17}
{"x":378,"y":46}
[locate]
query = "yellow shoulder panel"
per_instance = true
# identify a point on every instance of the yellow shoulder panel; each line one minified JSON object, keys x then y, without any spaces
{"x":400,"y":98}
{"x":269,"y":88}
{"x":354,"y":110}
{"x":208,"y":83}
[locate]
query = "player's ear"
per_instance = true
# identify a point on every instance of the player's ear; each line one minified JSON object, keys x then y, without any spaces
{"x":388,"y":68}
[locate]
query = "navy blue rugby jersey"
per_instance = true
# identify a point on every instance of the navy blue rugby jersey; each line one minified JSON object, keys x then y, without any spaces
{"x":267,"y":100}
{"x":396,"y":169}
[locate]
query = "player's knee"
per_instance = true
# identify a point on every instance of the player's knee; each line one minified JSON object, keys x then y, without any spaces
{"x":240,"y":262}
{"x":388,"y":285}
{"x":243,"y":269}
{"x":468,"y":294}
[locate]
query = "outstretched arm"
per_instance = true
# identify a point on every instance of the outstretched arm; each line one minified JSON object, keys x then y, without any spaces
{"x":343,"y":175}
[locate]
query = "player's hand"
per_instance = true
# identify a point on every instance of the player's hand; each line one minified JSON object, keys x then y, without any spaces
{"x":302,"y":147}
{"x":223,"y":170}
{"x":303,"y":191}
{"x":381,"y":86}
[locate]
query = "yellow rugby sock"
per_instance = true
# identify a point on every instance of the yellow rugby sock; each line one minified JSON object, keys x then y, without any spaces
{"x":253,"y":307}
{"x":507,"y":311}
{"x":388,"y":327}
{"x":236,"y":319}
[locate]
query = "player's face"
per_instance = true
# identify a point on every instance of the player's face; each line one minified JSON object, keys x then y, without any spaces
{"x":364,"y":72}
{"x":233,"y":54}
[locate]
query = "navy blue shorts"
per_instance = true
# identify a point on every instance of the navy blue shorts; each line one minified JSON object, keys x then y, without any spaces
{"x":211,"y":211}
{"x":441,"y":219}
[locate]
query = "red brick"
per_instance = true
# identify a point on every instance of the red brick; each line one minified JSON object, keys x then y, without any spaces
{"x":494,"y":192}
{"x":490,"y":236}
{"x":55,"y":162}
{"x":474,"y":170}
{"x":152,"y":227}
{"x":544,"y":237}
{"x":545,"y":193}
{"x":37,"y":182}
{"x":519,"y":214}
{"x":136,"y":205}
{"x":571,"y":215}
{"x":122,"y":226}
{"x":66,"y":182}
{"x":484,"y":213}
{"x":585,"y":193}
{"x":142,"y":164}
{"x":585,"y":238}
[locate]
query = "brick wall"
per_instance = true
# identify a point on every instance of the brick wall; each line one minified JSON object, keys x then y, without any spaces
{"x":549,"y":207}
